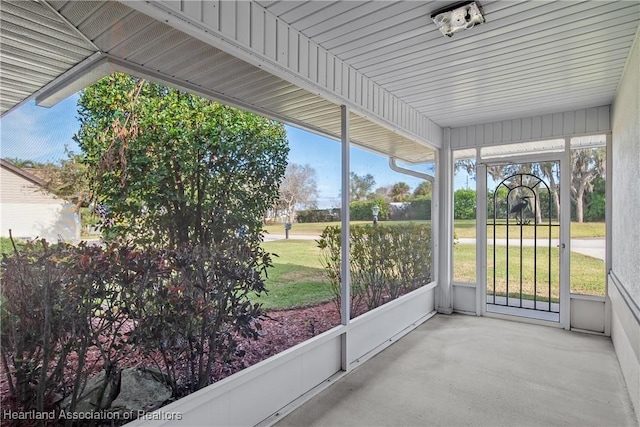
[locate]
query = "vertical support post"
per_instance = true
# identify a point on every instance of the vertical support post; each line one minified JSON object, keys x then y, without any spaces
{"x":607,"y":221}
{"x":481,"y":235}
{"x":444,"y":224}
{"x":565,"y":236}
{"x":345,"y":290}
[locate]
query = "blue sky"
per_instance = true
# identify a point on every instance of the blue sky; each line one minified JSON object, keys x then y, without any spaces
{"x":41,"y":134}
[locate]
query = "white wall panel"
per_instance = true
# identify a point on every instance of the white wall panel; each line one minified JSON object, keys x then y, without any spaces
{"x":547,"y":126}
{"x":282,"y":43}
{"x":257,"y":33}
{"x":211,"y":14}
{"x":330,"y":71}
{"x":228,"y":18}
{"x":193,"y":9}
{"x":353,"y":85}
{"x":252,"y":395}
{"x":275,"y":383}
{"x":625,"y":334}
{"x":236,"y":27}
{"x":294,"y":51}
{"x":243,"y":26}
{"x":303,"y":58}
{"x":587,"y":313}
{"x":372,"y":331}
{"x":270,"y":39}
{"x":558,"y":124}
{"x":624,"y":279}
{"x":581,"y":121}
{"x":322,"y":66}
{"x":464,"y":298}
{"x":604,"y":117}
{"x":313,"y":61}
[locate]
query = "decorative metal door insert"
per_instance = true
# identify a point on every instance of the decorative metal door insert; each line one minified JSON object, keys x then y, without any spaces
{"x":525,"y":262}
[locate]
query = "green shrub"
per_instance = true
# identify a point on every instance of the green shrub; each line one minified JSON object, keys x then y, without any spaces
{"x":57,"y":301}
{"x":6,"y":245}
{"x":596,"y":208}
{"x":362,"y":210}
{"x":61,"y":302}
{"x":385,"y":262}
{"x":416,"y":209}
{"x":199,"y":307}
{"x":318,"y":215}
{"x":464,"y":204}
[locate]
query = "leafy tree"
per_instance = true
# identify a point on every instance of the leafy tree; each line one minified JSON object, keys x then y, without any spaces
{"x":587,"y":165}
{"x":423,"y":190}
{"x":496,"y":203}
{"x":400,"y":192}
{"x":464,"y":204}
{"x":188,"y":179}
{"x":363,"y":210}
{"x":596,"y":201}
{"x":299,"y":188}
{"x":175,"y":168}
{"x":360,"y":186}
{"x":69,"y":180}
{"x":549,"y":172}
{"x":466,"y":165}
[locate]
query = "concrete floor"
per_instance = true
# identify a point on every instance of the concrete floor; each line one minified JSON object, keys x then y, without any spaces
{"x":463,"y":370}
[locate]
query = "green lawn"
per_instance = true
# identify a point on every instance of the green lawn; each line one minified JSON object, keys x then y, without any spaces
{"x":587,"y":273}
{"x":467,"y":229}
{"x":296,"y":278}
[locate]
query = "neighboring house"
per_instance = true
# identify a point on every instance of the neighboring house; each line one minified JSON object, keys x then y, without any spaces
{"x":30,"y":211}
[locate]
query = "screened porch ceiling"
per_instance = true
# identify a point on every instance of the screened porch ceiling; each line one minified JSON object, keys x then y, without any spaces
{"x":529,"y":58}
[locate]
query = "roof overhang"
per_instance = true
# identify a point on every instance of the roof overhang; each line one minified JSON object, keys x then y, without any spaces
{"x":38,"y":49}
{"x":298,"y":62}
{"x":159,"y":52}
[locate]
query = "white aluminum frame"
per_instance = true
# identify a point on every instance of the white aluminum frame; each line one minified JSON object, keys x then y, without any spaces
{"x":564,"y":240}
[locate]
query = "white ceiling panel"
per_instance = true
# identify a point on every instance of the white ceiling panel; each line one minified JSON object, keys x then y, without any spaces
{"x":550,"y":55}
{"x":143,"y":41}
{"x":529,"y":58}
{"x":37,"y":47}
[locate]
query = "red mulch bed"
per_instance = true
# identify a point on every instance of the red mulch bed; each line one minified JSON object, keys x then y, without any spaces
{"x":280,"y":330}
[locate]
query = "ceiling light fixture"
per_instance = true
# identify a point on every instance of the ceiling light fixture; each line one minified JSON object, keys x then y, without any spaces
{"x":458,"y":17}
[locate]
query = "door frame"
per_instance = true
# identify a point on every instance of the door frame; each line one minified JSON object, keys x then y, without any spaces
{"x":564,"y":160}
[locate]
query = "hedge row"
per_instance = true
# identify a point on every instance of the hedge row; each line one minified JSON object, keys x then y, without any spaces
{"x":386,"y":261}
{"x":417,"y":209}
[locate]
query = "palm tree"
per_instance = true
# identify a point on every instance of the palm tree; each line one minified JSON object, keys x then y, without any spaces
{"x":400,"y":192}
{"x":423,"y":190}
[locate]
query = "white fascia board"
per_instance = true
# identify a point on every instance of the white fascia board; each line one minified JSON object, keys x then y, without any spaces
{"x":75,"y":79}
{"x":236,"y":30}
{"x":102,"y":65}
